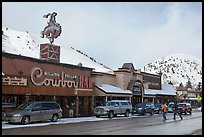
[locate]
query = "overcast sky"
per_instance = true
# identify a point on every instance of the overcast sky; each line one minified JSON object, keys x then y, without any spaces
{"x":115,"y":32}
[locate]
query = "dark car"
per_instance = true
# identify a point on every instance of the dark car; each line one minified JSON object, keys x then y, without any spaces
{"x":157,"y":108}
{"x":143,"y":108}
{"x":185,"y":108}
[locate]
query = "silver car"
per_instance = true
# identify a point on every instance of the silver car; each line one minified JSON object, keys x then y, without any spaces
{"x":35,"y":111}
{"x":113,"y":108}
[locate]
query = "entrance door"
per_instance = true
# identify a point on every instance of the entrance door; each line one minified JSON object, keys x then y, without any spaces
{"x":136,"y":100}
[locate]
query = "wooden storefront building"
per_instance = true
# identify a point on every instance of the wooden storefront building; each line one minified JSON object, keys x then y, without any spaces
{"x":29,"y":79}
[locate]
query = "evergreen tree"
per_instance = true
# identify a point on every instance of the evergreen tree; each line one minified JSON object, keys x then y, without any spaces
{"x":170,"y":83}
{"x":188,"y":84}
{"x":181,"y":85}
{"x":199,"y":87}
{"x":172,"y":70}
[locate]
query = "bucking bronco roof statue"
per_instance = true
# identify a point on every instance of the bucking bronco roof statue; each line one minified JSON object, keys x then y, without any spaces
{"x":53,"y":29}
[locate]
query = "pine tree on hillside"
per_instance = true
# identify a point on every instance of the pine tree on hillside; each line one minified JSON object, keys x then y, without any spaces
{"x":181,"y":85}
{"x":199,"y":87}
{"x":172,"y":70}
{"x":188,"y":84}
{"x":170,"y":83}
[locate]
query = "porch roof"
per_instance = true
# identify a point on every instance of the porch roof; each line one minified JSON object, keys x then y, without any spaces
{"x":109,"y":89}
{"x":167,"y":90}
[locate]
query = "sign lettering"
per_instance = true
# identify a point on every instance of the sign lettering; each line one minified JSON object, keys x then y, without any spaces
{"x":11,"y":80}
{"x":81,"y":82}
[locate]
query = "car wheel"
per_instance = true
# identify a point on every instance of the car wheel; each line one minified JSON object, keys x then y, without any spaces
{"x":127,"y":113}
{"x":25,"y":120}
{"x":54,"y":118}
{"x":111,"y":115}
{"x":151,"y":113}
{"x":97,"y":116}
{"x":144,"y":113}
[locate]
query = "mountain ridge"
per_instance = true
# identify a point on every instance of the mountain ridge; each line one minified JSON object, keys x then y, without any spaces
{"x":177,"y":68}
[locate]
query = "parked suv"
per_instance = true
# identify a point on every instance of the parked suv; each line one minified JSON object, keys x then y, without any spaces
{"x":185,"y":108}
{"x":35,"y":111}
{"x":143,"y":108}
{"x":113,"y":108}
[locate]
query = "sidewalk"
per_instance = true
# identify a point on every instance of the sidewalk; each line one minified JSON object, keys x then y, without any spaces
{"x":197,"y":109}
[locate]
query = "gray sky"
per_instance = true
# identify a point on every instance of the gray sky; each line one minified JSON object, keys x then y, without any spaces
{"x":115,"y":32}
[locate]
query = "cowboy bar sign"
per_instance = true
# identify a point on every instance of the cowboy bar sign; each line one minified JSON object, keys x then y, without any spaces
{"x":39,"y":78}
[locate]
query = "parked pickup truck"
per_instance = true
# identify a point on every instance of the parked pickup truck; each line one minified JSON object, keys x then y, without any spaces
{"x":113,"y":108}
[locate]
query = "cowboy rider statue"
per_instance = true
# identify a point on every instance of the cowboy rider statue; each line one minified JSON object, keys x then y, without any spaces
{"x":52,"y":24}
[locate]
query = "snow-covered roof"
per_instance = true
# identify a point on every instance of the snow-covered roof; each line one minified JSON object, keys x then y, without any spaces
{"x":167,"y":89}
{"x":109,"y":89}
{"x":27,"y":44}
{"x":151,"y":91}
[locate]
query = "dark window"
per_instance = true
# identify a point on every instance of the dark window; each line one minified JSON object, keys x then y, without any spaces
{"x":9,"y":101}
{"x":110,"y":103}
{"x":117,"y":104}
{"x":49,"y":106}
{"x":124,"y":103}
{"x":55,"y":106}
{"x":37,"y":107}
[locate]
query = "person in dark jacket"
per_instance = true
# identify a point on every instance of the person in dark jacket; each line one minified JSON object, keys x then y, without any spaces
{"x":176,"y":111}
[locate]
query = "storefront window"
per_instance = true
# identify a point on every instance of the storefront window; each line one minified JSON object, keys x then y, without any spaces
{"x":148,"y":100}
{"x":9,"y":101}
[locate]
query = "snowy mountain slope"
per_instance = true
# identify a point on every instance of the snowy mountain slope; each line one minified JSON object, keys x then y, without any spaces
{"x":177,"y":68}
{"x":27,"y":44}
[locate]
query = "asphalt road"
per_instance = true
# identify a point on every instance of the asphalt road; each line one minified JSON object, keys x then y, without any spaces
{"x":148,"y":125}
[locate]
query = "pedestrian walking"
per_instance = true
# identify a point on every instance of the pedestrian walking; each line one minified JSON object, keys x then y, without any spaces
{"x":72,"y":108}
{"x":176,"y":111}
{"x":164,"y":107}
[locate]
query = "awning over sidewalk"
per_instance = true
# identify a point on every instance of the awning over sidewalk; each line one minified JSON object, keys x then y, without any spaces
{"x":167,"y":90}
{"x":114,"y":91}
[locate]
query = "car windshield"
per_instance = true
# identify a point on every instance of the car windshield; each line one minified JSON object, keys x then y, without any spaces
{"x":157,"y":105}
{"x":24,"y":106}
{"x":141,"y":105}
{"x":181,"y":105}
{"x":170,"y":105}
{"x":102,"y":104}
{"x":110,"y":103}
